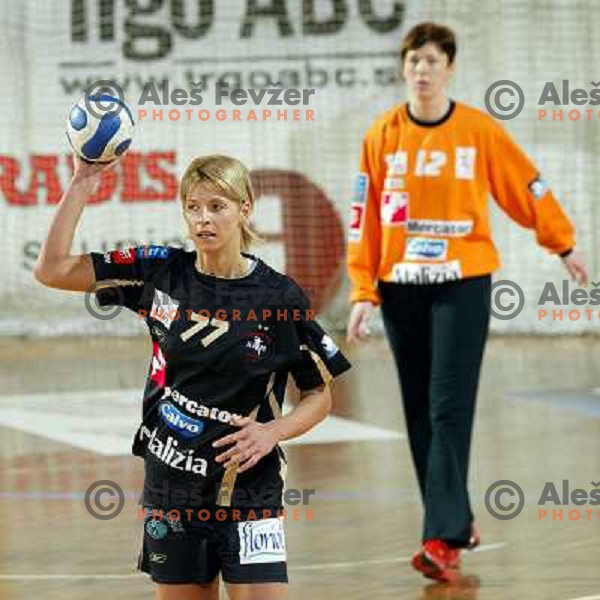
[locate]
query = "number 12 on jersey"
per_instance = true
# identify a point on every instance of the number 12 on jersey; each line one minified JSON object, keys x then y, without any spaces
{"x":429,"y":163}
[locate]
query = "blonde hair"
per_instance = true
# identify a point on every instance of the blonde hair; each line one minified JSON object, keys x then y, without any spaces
{"x":229,"y":176}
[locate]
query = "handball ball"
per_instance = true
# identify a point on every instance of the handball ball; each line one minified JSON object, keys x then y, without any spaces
{"x":100,"y":128}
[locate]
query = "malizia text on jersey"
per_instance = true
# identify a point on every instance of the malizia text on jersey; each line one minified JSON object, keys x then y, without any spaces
{"x":167,"y":452}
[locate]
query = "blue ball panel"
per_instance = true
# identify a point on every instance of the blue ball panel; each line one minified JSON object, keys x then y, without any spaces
{"x":122,"y":147}
{"x":115,"y":101}
{"x":104,"y":98}
{"x":108,"y":127}
{"x":78,"y":118}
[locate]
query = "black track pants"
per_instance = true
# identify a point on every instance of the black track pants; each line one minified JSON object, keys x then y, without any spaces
{"x":437,"y":334}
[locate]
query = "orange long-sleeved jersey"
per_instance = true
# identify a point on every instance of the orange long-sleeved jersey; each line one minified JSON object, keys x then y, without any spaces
{"x":420,"y":206}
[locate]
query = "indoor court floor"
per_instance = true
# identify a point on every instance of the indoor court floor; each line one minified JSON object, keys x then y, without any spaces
{"x":538,"y":421}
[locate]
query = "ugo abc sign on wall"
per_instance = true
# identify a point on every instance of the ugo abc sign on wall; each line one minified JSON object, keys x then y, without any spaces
{"x":149,"y":29}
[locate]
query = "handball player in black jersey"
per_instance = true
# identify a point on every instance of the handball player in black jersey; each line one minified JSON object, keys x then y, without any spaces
{"x":226,"y":332}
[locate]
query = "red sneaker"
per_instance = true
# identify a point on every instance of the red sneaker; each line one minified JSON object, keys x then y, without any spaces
{"x":454,"y":561}
{"x":437,"y":560}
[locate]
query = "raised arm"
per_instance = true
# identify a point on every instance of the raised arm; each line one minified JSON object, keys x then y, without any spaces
{"x":56,"y":267}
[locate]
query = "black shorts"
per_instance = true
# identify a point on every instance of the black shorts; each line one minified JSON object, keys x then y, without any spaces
{"x":190,"y":550}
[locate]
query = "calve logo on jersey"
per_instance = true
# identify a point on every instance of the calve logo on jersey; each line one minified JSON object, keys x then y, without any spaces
{"x":186,"y":426}
{"x":425,"y":249}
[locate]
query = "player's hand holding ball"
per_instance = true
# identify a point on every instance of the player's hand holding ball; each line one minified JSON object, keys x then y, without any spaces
{"x":100,"y":130}
{"x":84,"y":171}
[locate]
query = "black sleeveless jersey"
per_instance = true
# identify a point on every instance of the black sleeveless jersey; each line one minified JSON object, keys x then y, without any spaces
{"x":220,"y":347}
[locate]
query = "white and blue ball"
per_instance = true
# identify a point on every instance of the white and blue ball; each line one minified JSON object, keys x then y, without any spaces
{"x":100,"y":128}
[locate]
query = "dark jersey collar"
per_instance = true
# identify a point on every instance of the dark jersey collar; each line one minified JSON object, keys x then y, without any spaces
{"x":435,"y":123}
{"x":255,"y":272}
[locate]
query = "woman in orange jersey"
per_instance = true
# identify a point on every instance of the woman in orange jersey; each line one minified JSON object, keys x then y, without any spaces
{"x":420,"y":246}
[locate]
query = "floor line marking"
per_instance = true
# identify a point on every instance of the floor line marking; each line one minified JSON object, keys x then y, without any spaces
{"x":315,"y":567}
{"x":379,"y":561}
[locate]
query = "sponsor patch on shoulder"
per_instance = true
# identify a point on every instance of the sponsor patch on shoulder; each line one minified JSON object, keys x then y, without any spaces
{"x":329,"y":346}
{"x":164,"y":308}
{"x":261,"y":541}
{"x":357,"y":214}
{"x":538,"y":187}
{"x":397,"y":163}
{"x":465,"y":162}
{"x":358,"y":207}
{"x":121,"y":257}
{"x":394,"y":208}
{"x":152,"y":252}
{"x":361,"y":187}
